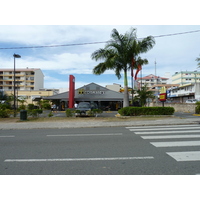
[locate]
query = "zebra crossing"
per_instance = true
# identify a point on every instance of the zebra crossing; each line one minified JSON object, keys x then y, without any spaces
{"x":171,"y":137}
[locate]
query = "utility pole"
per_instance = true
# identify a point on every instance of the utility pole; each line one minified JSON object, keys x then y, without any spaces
{"x":156,"y":82}
{"x":15,"y":56}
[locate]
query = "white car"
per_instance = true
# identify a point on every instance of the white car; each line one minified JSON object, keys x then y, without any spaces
{"x":191,"y":101}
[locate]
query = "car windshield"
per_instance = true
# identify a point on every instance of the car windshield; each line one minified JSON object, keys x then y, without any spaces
{"x":84,"y":105}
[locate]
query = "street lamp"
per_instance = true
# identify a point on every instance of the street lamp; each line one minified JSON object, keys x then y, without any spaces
{"x":15,"y":56}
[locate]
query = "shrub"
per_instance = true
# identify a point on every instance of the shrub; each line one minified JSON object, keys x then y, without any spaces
{"x":31,"y":106}
{"x":197,"y":108}
{"x":46,"y":106}
{"x":5,"y":106}
{"x":5,"y":113}
{"x":136,"y":111}
{"x":96,"y":112}
{"x":21,"y":107}
{"x":50,"y":114}
{"x":69,"y":113}
{"x":35,"y":112}
{"x":89,"y":113}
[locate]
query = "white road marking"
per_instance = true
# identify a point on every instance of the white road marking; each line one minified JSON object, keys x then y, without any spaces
{"x":185,"y":156}
{"x":166,"y":132}
{"x":165,"y":129}
{"x":78,"y":159}
{"x":7,"y":136}
{"x":82,"y":135}
{"x":170,"y":136}
{"x":176,"y":144}
{"x":169,"y":126}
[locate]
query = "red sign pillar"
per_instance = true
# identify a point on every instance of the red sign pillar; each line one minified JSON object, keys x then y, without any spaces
{"x":71,"y":90}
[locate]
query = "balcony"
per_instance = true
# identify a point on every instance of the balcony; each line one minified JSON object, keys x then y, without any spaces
{"x":182,"y":92}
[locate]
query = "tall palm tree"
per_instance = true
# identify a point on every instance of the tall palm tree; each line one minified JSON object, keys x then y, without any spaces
{"x":119,"y":53}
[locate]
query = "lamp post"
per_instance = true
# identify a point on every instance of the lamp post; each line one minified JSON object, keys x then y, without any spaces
{"x":15,"y":56}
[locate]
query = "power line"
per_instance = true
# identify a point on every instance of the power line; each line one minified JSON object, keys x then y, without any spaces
{"x":177,"y":33}
{"x":57,"y":45}
{"x":89,"y":43}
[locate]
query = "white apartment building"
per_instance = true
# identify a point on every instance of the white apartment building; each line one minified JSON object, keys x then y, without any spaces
{"x":26,"y":79}
{"x":151,"y":80}
{"x":184,"y":92}
{"x":186,"y":77}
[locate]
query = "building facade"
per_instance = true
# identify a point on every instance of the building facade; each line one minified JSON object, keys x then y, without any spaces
{"x":182,"y":93}
{"x":115,"y":87}
{"x":105,"y":99}
{"x":151,"y":80}
{"x":186,"y":77}
{"x":25,"y":79}
{"x":31,"y":96}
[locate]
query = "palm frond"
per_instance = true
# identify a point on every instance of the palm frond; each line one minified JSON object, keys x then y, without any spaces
{"x":99,"y":69}
{"x":198,"y":60}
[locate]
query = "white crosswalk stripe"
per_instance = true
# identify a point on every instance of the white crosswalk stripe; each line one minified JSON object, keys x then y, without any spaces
{"x":172,"y":136}
{"x":185,"y":156}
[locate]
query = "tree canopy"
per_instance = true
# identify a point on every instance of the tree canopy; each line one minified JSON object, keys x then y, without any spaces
{"x":119,"y":53}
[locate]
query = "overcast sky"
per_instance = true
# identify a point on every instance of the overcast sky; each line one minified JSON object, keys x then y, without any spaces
{"x":171,"y":53}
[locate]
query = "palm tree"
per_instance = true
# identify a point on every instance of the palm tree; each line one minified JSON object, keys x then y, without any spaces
{"x":119,"y":53}
{"x":143,"y":95}
{"x":198,"y":60}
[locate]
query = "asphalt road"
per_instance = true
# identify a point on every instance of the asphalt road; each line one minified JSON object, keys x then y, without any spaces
{"x":98,"y":151}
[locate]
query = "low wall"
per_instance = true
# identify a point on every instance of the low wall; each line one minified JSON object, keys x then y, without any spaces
{"x":179,"y":107}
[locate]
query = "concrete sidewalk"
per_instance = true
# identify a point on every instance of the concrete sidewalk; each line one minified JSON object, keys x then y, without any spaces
{"x":174,"y":120}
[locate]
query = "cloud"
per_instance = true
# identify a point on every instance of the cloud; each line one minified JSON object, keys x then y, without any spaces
{"x":172,"y":53}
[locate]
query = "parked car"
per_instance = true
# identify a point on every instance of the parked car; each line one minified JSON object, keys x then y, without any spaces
{"x":191,"y":101}
{"x":84,"y":107}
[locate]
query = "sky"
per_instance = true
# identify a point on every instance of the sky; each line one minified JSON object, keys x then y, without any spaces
{"x":172,"y":53}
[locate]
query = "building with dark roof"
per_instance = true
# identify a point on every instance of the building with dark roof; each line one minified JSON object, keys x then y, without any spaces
{"x":105,"y":99}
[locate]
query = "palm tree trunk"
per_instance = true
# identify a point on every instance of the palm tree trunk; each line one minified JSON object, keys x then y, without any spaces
{"x":126,"y":96}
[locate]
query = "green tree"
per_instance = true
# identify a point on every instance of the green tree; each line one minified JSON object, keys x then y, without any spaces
{"x":198,"y":60}
{"x":45,"y":104}
{"x":143,"y":95}
{"x":119,"y":53}
{"x":22,"y":100}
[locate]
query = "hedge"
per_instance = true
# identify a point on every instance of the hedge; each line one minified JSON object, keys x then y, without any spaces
{"x":136,"y":111}
{"x":5,"y":113}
